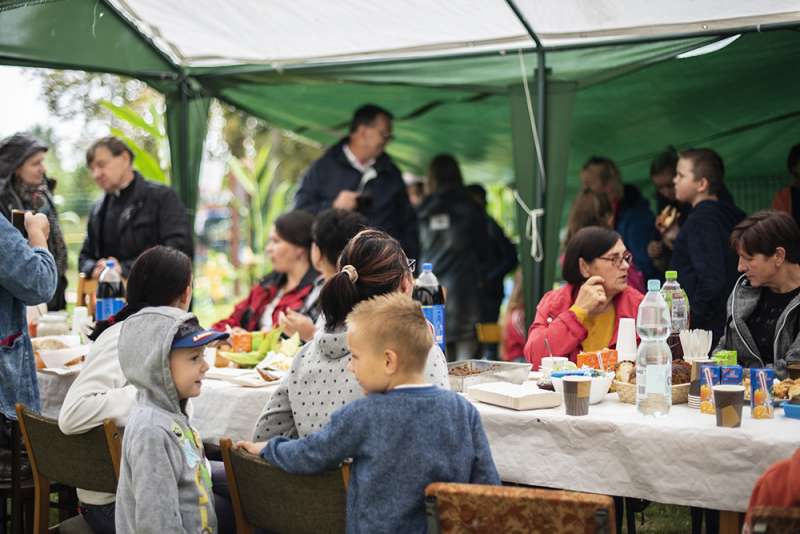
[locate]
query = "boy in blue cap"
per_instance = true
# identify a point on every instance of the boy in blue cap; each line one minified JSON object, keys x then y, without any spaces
{"x":165,"y":482}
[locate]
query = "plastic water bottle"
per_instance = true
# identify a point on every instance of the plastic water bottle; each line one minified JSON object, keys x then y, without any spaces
{"x":678,"y":306}
{"x":429,"y":293}
{"x":677,"y":303}
{"x":653,"y":359}
{"x":110,"y":293}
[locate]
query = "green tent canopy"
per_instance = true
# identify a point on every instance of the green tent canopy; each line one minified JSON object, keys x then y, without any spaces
{"x":623,"y":79}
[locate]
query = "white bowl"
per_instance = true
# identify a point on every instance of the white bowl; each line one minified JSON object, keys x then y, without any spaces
{"x":600,"y":387}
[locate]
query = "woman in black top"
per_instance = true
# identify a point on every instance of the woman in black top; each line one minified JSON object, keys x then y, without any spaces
{"x":763,"y":311}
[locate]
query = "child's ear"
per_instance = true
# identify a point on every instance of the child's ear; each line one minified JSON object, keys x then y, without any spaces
{"x":391,"y":361}
{"x":702,"y":185}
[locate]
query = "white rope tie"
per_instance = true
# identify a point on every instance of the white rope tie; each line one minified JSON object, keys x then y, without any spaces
{"x":532,"y":228}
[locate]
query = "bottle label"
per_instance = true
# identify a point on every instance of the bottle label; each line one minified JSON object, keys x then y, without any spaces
{"x":107,"y":307}
{"x":435,"y":315}
{"x":657,"y":378}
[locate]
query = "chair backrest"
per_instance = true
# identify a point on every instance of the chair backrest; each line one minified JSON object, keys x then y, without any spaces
{"x":774,"y":520}
{"x":489,"y":333}
{"x":267,"y":497}
{"x":479,"y":508}
{"x":87,"y":289}
{"x":88,"y":461}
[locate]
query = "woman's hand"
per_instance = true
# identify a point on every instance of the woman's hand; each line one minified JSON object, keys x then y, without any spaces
{"x":592,"y":295}
{"x":292,"y":322}
{"x":251,"y":447}
{"x":38,"y":228}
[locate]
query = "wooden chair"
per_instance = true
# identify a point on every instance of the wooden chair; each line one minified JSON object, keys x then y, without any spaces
{"x":90,"y":461}
{"x":774,"y":520}
{"x":264,"y":496}
{"x":19,"y":490}
{"x":86,"y":292}
{"x":475,"y":508}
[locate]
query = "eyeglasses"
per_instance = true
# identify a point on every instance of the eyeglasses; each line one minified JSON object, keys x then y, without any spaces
{"x":617,"y":260}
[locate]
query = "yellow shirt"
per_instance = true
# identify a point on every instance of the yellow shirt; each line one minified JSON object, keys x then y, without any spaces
{"x":599,"y":327}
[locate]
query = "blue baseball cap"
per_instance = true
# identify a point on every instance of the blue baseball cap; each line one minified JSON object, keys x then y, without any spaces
{"x":191,"y":335}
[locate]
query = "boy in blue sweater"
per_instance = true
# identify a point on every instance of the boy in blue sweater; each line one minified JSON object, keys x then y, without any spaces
{"x":404,"y":435}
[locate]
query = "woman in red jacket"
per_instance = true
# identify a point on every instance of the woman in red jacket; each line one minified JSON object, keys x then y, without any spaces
{"x":585,"y":313}
{"x":288,"y":286}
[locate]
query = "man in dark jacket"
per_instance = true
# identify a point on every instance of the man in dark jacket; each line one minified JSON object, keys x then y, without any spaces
{"x":356,"y":174}
{"x":705,"y":262}
{"x":633,"y":218}
{"x":454,"y":239}
{"x":133,"y":215}
{"x":502,"y":260}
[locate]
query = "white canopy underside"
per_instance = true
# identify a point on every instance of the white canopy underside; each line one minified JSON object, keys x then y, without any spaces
{"x":200,"y":33}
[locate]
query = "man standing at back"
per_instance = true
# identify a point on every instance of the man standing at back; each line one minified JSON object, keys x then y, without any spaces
{"x":133,"y":215}
{"x":356,"y":174}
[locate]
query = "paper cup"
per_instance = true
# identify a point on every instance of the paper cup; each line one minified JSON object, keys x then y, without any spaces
{"x":577,"y":390}
{"x":626,"y":339}
{"x":728,"y":401}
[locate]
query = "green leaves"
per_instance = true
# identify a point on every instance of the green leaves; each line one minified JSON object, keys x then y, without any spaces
{"x":145,"y":162}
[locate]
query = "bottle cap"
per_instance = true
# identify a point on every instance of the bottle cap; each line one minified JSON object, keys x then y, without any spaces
{"x":110,"y":264}
{"x":427,"y":266}
{"x":653,"y":285}
{"x":671,"y":275}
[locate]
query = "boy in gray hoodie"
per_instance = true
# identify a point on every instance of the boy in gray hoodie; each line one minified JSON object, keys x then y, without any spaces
{"x":165,"y":482}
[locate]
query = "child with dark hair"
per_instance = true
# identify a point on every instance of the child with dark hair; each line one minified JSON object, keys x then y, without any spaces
{"x":406,"y":432}
{"x":161,"y":276}
{"x":330,"y":233}
{"x":705,"y":263}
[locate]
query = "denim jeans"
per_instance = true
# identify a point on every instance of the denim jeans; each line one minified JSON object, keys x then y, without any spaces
{"x":99,"y":517}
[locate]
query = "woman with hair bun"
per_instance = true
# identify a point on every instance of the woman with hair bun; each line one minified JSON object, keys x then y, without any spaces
{"x":372,"y":264}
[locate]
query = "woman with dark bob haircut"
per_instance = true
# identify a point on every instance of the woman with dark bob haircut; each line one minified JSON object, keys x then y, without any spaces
{"x":763,"y":312}
{"x":289,"y":284}
{"x":584,"y":314}
{"x":160,"y":276}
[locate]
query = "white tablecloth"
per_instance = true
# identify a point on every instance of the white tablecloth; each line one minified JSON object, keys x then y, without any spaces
{"x":226,"y":410}
{"x":681,"y":459}
{"x":221,"y":410}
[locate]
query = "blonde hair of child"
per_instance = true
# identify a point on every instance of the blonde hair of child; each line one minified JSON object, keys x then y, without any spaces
{"x":394,"y":322}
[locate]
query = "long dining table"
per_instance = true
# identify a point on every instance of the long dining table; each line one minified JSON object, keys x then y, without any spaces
{"x":683,"y":458}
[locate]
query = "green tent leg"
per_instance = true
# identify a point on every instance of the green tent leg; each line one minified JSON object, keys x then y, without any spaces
{"x":539,"y":277}
{"x":187,"y":124}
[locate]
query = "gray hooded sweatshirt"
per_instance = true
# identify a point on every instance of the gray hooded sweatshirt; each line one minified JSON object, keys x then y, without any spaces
{"x":165,"y":482}
{"x":319,"y":383}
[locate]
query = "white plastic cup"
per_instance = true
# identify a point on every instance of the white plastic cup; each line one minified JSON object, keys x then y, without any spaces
{"x":80,"y":316}
{"x":626,"y":339}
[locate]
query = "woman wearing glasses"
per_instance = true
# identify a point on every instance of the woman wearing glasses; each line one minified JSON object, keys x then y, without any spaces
{"x":584,"y":314}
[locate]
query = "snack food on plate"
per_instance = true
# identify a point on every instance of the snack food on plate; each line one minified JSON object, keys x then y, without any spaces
{"x":786,"y":389}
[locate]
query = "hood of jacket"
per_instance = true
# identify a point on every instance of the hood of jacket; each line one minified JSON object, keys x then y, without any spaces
{"x":331,"y":345}
{"x":725,"y":212}
{"x":145,"y":341}
{"x":14,"y":150}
